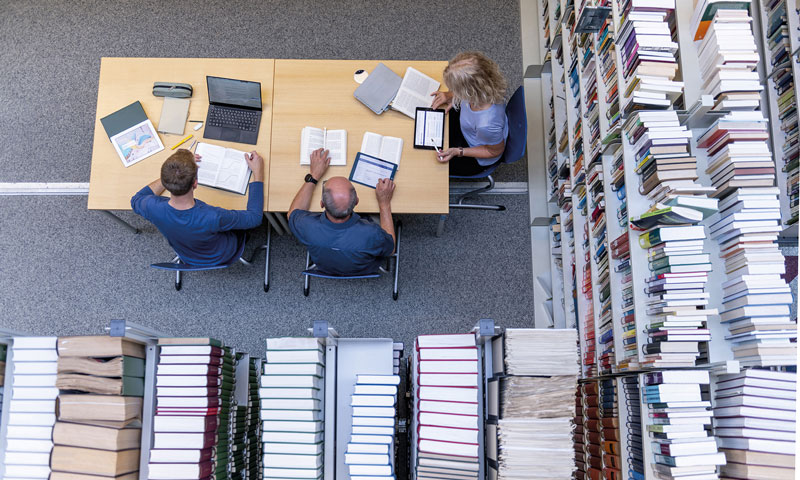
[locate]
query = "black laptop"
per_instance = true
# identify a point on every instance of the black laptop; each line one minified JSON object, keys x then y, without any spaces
{"x":234,"y":113}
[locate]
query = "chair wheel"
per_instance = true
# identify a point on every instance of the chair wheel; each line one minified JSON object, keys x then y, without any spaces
{"x":502,"y":208}
{"x":178,"y":286}
{"x":305,"y":292}
{"x":395,"y":295}
{"x":266,"y":287}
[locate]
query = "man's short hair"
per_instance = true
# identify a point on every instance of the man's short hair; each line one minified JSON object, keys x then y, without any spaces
{"x":178,"y":172}
{"x":337,"y":211}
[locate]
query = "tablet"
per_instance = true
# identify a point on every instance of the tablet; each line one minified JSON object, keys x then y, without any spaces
{"x":367,"y":170}
{"x":428,"y":128}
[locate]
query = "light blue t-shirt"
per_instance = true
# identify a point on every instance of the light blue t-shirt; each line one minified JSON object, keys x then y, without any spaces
{"x":485,"y":127}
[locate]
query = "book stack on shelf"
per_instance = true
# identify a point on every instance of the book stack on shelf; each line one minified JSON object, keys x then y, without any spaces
{"x":370,"y":452}
{"x":609,"y":429}
{"x":32,"y":409}
{"x":608,"y":71}
{"x":555,"y":232}
{"x":754,"y":421}
{"x":291,"y":407}
{"x":447,"y":401}
{"x":243,"y":446}
{"x":632,"y":442}
{"x":3,"y":351}
{"x":533,"y":421}
{"x":756,"y":299}
{"x":647,"y":54}
{"x":578,"y":435}
{"x":98,"y":432}
{"x":779,"y":47}
{"x":593,"y":458}
{"x":194,"y":396}
{"x":678,"y":412}
{"x":253,"y":455}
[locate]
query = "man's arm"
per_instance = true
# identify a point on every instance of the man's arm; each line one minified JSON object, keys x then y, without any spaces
{"x":320,"y":160}
{"x":156,"y":186}
{"x":250,"y":218}
{"x":384,"y":191}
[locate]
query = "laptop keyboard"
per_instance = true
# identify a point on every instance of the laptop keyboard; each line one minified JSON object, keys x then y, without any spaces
{"x":233,"y":118}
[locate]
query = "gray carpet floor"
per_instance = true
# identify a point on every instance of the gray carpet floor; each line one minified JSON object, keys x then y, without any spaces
{"x":50,"y":60}
{"x":66,"y":270}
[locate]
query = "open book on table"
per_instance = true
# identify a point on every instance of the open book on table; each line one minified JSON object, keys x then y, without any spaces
{"x":223,"y":168}
{"x":335,"y":141}
{"x":385,"y":148}
{"x":415,"y":91}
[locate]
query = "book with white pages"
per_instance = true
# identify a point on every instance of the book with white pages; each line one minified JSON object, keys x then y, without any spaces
{"x":415,"y":91}
{"x":223,"y":168}
{"x":384,"y":147}
{"x":335,"y":141}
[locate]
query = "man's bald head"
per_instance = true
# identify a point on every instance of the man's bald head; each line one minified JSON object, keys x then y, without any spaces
{"x":339,"y":197}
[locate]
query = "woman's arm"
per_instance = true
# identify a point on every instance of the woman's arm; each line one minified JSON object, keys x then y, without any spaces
{"x":481,"y":151}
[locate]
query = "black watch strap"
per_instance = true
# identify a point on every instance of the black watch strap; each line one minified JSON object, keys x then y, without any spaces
{"x":311,"y":179}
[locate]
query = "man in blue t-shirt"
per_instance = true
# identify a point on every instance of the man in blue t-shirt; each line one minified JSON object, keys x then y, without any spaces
{"x":339,"y":241}
{"x":200,"y":234}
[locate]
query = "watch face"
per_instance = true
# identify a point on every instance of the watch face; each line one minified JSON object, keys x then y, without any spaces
{"x":309,"y":178}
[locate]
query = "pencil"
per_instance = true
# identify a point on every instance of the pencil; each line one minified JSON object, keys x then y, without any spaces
{"x":181,"y":142}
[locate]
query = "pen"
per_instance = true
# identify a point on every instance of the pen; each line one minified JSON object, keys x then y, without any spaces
{"x":434,"y":146}
{"x":192,"y":145}
{"x":196,"y":121}
{"x":181,"y":142}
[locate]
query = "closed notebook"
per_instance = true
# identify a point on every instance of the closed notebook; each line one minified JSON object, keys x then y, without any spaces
{"x":99,"y":346}
{"x":99,"y":407}
{"x":174,"y":113}
{"x":90,"y":436}
{"x":94,"y":462}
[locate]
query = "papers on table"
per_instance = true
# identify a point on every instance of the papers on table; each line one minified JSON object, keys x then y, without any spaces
{"x":367,"y":170}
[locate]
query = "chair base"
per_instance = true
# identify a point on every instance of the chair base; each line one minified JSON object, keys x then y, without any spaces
{"x":460,"y":201}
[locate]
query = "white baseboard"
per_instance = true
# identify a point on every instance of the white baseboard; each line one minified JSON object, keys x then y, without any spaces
{"x":44,"y":188}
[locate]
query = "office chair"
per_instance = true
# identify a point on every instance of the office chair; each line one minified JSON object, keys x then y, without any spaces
{"x":311,"y":269}
{"x":514,"y":150}
{"x":177,"y":266}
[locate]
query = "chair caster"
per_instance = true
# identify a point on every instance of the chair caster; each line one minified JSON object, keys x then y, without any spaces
{"x":266,"y":287}
{"x":178,"y":286}
{"x":395,"y":295}
{"x":305,"y":292}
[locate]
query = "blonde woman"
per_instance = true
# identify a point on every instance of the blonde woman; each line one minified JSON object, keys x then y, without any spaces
{"x":478,"y":123}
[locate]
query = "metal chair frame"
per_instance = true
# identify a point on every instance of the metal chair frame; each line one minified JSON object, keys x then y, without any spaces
{"x":311,"y":272}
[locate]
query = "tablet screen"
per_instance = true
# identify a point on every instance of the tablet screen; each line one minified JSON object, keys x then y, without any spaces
{"x":429,"y":128}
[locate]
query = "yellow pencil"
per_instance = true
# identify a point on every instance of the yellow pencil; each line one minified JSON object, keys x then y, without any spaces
{"x":181,"y":142}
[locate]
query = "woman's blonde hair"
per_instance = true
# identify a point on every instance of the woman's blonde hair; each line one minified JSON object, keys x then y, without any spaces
{"x":473,"y":77}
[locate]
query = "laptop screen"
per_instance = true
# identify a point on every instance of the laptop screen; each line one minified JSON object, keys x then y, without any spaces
{"x":234,"y":92}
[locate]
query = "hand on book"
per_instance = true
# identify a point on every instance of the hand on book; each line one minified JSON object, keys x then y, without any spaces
{"x":256,"y":164}
{"x":320,"y":160}
{"x":443,"y":100}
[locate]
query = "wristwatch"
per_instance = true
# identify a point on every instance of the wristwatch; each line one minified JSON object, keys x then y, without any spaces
{"x":311,"y":179}
{"x":460,"y":151}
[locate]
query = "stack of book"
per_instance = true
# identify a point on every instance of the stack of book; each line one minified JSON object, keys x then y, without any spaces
{"x":609,"y":429}
{"x":533,"y":391}
{"x":647,"y":53}
{"x":678,"y":317}
{"x":291,"y":407}
{"x":606,"y":54}
{"x":32,"y":409}
{"x":600,"y":258}
{"x":194,"y":393}
{"x":3,"y":351}
{"x":370,"y":452}
{"x":756,"y":300}
{"x":777,"y":32}
{"x":592,"y":426}
{"x":678,"y":412}
{"x":239,"y":419}
{"x":578,"y":436}
{"x":98,"y":432}
{"x":633,"y":425}
{"x":445,"y":391}
{"x":253,"y":455}
{"x":620,"y":251}
{"x":587,"y":289}
{"x":754,"y":420}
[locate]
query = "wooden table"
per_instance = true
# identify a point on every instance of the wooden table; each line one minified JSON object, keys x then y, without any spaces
{"x":319,"y":93}
{"x":125,"y":80}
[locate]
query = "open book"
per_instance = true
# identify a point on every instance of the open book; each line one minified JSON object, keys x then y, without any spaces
{"x":385,"y":148}
{"x":335,"y":141}
{"x":223,"y":168}
{"x":415,"y":91}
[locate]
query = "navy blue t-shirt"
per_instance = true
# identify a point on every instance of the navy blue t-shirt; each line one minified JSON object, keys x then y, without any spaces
{"x":201,"y":235}
{"x":354,"y":247}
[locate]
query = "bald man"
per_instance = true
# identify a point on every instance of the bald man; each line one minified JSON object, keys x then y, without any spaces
{"x":339,"y":241}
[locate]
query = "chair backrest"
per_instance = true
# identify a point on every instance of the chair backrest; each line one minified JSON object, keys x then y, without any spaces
{"x":185,"y":267}
{"x":517,"y":128}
